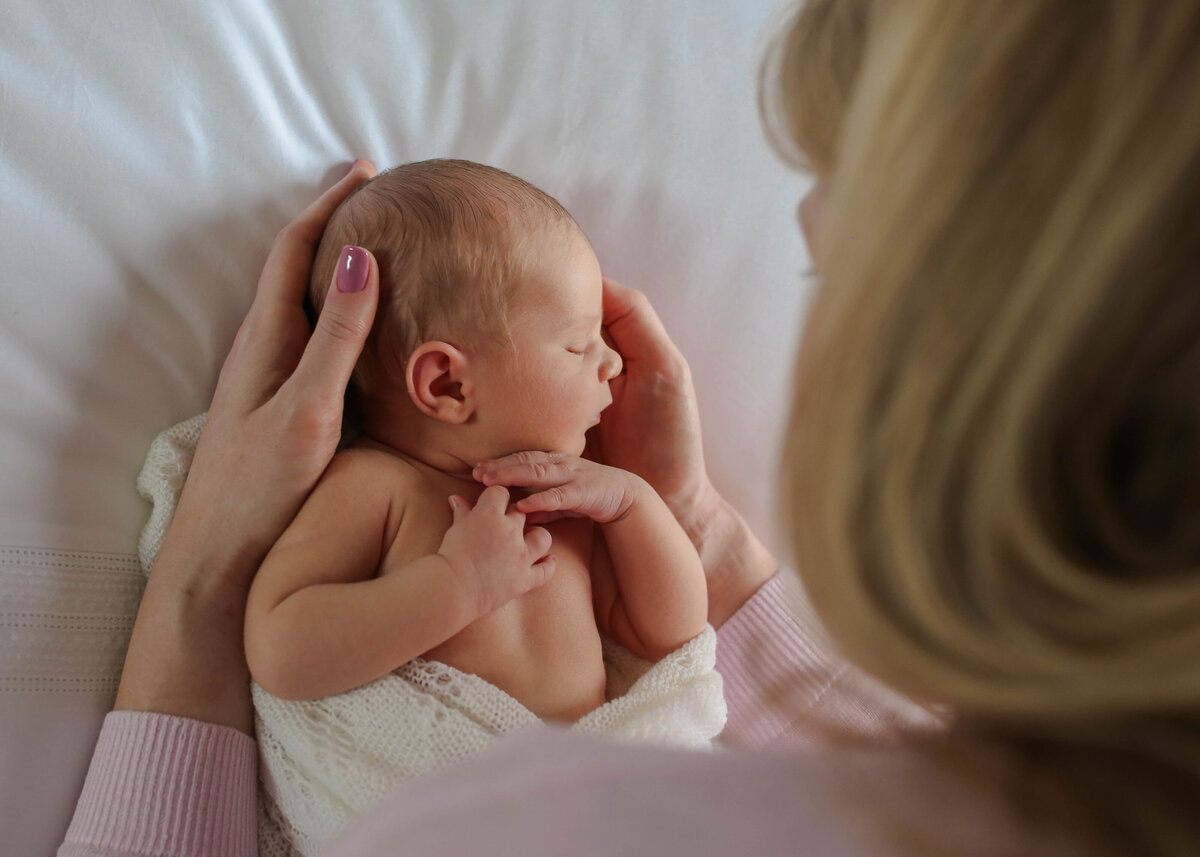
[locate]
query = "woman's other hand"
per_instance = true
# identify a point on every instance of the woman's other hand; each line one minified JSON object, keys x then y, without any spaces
{"x":652,"y":429}
{"x":273,"y":427}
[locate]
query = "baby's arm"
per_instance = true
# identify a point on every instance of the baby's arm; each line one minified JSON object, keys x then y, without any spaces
{"x":659,"y":600}
{"x":320,"y":622}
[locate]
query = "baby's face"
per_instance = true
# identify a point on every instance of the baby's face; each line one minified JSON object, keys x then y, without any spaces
{"x":549,"y":390}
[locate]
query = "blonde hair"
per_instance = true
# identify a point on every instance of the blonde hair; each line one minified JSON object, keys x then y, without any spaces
{"x":994,"y":450}
{"x":446,"y":235}
{"x":809,"y":74}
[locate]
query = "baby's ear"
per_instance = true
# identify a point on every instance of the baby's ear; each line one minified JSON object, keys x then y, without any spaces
{"x":436,"y":376}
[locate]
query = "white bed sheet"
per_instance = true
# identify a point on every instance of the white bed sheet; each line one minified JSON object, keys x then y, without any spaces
{"x":150,"y":151}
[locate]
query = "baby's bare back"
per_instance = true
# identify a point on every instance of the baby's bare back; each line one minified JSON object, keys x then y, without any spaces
{"x":542,"y":647}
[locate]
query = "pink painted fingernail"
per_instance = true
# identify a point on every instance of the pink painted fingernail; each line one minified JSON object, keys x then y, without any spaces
{"x":353,"y":267}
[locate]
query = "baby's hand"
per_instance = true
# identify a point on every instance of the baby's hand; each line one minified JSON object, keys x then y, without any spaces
{"x":564,"y":486}
{"x":491,"y":549}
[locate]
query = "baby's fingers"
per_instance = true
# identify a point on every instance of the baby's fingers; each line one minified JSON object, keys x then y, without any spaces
{"x":537,"y":542}
{"x":573,"y":500}
{"x":551,"y":517}
{"x":493,"y":501}
{"x":554,"y":499}
{"x":526,"y":469}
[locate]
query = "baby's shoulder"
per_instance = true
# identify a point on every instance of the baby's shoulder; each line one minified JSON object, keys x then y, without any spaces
{"x":373,"y":466}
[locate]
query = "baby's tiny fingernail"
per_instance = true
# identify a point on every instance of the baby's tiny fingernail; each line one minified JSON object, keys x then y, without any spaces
{"x":353,"y":268}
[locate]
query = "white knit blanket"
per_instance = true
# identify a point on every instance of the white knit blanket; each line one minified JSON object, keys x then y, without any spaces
{"x":325,"y":762}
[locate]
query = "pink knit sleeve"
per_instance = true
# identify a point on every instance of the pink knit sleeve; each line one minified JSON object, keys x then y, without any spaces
{"x":166,"y":785}
{"x":786,"y":687}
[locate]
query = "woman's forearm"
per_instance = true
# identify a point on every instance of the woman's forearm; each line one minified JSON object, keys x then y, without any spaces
{"x":185,"y":655}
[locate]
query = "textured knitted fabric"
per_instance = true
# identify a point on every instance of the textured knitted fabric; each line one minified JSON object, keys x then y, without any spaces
{"x":324,"y":762}
{"x":143,"y":795}
{"x":161,"y":482}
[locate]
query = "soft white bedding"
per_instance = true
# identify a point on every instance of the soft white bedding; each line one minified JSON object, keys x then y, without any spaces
{"x":150,"y":151}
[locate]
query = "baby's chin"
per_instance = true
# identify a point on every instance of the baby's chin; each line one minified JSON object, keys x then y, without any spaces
{"x":575,"y":448}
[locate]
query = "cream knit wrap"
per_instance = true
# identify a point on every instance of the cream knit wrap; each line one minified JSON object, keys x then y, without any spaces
{"x":325,"y":762}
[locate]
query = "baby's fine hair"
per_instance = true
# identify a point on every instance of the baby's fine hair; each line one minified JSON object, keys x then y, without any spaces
{"x":446,"y":235}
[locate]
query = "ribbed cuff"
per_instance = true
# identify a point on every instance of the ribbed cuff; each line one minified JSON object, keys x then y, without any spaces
{"x":774,"y":665}
{"x":166,"y":785}
{"x":786,"y":687}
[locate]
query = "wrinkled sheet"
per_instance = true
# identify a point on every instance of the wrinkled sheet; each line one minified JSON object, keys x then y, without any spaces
{"x":150,"y":151}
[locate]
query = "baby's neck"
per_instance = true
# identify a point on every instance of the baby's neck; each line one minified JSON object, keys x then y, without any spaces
{"x":412,"y":435}
{"x":445,"y":463}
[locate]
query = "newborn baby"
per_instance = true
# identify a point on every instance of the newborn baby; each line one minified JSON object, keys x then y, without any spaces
{"x":412,"y":579}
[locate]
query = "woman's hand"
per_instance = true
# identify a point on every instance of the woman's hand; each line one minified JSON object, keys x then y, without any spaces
{"x":272,"y":429}
{"x":276,"y":415}
{"x":652,"y":429}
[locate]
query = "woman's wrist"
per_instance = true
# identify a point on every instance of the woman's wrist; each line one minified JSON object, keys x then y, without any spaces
{"x":736,"y":564}
{"x":205,"y":552}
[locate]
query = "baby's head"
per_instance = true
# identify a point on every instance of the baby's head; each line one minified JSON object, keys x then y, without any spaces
{"x":481,"y":276}
{"x":447,"y":236}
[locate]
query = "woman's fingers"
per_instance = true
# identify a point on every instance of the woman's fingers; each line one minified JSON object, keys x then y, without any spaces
{"x":273,"y":334}
{"x":342,"y":328}
{"x":285,"y":276}
{"x":635,"y":328}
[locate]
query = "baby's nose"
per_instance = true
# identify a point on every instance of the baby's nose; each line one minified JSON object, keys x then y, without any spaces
{"x":610,"y":364}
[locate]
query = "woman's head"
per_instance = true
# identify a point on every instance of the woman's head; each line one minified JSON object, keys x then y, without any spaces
{"x":808,"y":80}
{"x":995,"y":446}
{"x":807,"y":83}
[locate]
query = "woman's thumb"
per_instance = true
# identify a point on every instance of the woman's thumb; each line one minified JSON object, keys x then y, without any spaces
{"x":342,"y":328}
